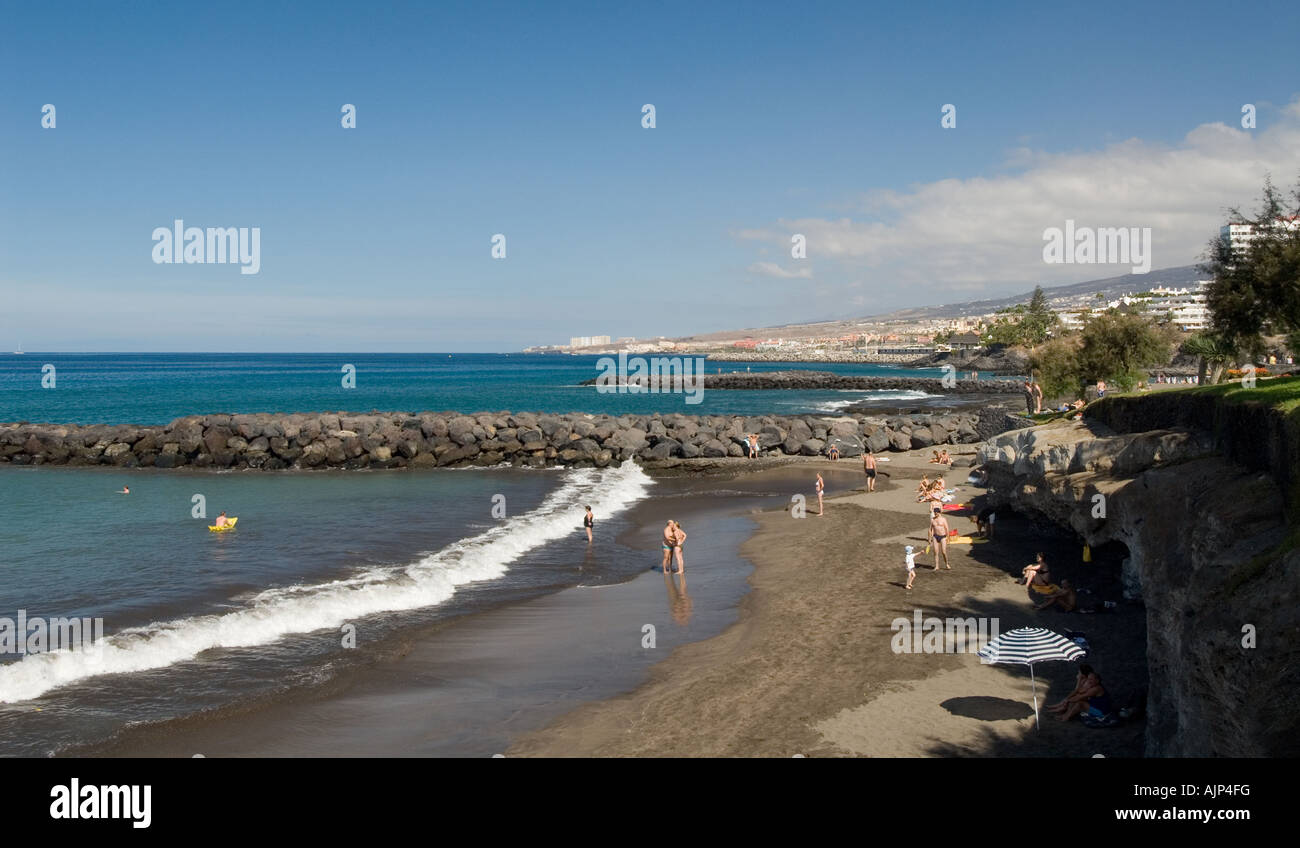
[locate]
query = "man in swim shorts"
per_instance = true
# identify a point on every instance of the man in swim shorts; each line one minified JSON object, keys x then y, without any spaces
{"x":939,"y":535}
{"x":222,"y":521}
{"x":669,"y":543}
{"x":869,"y":468}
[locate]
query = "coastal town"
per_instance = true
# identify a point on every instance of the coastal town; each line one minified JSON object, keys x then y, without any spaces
{"x":902,"y":340}
{"x":1174,"y":297}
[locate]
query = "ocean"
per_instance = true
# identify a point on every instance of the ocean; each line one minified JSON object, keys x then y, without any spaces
{"x":330,"y":575}
{"x":155,"y":388}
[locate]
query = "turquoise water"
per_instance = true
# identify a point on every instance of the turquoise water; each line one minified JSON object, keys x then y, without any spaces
{"x":150,"y":389}
{"x":195,"y":620}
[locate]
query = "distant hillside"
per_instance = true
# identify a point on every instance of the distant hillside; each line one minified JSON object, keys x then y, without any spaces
{"x":1060,"y":297}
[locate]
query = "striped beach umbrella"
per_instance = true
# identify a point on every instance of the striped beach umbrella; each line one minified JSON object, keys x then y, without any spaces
{"x":1027,"y":646}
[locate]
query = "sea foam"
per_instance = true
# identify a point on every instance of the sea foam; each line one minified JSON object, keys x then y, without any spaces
{"x":281,"y":612}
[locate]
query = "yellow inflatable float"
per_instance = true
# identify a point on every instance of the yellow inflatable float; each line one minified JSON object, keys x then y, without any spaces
{"x":230,"y":525}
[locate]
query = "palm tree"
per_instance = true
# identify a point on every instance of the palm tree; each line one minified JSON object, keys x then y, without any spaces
{"x":1213,"y":351}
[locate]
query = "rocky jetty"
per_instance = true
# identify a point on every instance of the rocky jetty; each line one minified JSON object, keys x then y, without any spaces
{"x":1197,"y":492}
{"x":428,"y":440}
{"x":998,"y":359}
{"x":824,"y":380}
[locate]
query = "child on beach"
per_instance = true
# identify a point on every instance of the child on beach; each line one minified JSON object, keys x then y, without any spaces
{"x":911,"y":565}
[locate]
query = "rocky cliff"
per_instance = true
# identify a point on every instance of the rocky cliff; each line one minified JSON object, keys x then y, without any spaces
{"x":1198,"y":493}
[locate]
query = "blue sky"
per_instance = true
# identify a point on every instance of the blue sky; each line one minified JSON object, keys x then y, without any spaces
{"x":525,"y":119}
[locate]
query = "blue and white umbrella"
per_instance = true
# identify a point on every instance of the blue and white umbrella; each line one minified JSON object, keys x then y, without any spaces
{"x":1029,"y":645}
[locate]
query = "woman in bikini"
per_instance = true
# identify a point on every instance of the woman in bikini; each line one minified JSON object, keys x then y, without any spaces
{"x":679,"y":535}
{"x":821,"y":487}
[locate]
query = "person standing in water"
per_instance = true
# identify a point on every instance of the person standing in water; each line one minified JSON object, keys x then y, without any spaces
{"x":869,"y":468}
{"x":821,"y":487}
{"x":680,"y":536}
{"x":669,"y":543}
{"x":587,"y":521}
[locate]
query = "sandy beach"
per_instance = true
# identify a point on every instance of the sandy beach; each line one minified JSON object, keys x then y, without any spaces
{"x":808,"y":668}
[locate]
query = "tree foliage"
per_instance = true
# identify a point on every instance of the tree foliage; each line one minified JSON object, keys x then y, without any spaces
{"x":1056,"y":365}
{"x":1117,"y":348}
{"x":1256,"y":291}
{"x":1033,"y":324}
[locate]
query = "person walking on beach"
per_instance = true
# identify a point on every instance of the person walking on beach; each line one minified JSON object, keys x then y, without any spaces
{"x":669,"y":543}
{"x":910,"y":558}
{"x":587,"y":521}
{"x":939,"y":533}
{"x":821,"y":487}
{"x":869,"y":468}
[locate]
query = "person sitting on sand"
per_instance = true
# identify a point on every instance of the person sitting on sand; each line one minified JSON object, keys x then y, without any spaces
{"x":1039,"y":564}
{"x":933,"y":497}
{"x":984,"y":521}
{"x":1040,"y":584}
{"x":222,"y":521}
{"x":934,"y":456}
{"x":923,"y":488}
{"x":945,"y":458}
{"x":1088,"y":695}
{"x":939,"y":492}
{"x":1062,"y":596}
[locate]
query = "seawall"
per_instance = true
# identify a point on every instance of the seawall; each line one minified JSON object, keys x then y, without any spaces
{"x":428,"y":440}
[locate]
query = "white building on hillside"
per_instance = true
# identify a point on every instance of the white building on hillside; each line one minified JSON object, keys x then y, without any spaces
{"x":588,"y":341}
{"x":1239,"y":236}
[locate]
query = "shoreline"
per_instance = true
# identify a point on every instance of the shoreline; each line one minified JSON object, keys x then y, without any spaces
{"x":807,"y":669}
{"x":466,"y":686}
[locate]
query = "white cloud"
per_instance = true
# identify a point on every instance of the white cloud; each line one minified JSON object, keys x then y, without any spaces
{"x":984,"y":235}
{"x":771,"y":269}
